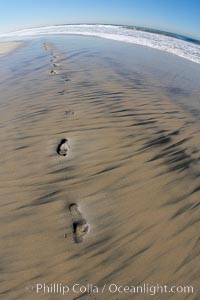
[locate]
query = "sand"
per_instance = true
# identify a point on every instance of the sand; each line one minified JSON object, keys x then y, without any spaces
{"x":8,"y":47}
{"x":131,"y":166}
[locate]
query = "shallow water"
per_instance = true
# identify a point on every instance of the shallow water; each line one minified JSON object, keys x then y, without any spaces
{"x":181,"y":46}
{"x":131,"y":117}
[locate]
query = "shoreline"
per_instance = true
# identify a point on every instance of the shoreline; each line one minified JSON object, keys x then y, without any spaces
{"x":8,"y":47}
{"x":181,"y":47}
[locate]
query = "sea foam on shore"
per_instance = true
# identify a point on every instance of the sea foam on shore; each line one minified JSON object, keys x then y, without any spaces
{"x":162,"y":42}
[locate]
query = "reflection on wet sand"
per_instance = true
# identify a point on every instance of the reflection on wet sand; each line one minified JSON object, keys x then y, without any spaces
{"x":132,"y":168}
{"x":8,"y":47}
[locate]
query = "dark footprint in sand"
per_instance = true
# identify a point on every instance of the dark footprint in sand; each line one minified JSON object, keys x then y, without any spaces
{"x":69,"y":113}
{"x":61,"y":92}
{"x":53,"y":72}
{"x":67,"y":79}
{"x":55,"y":65}
{"x":63,"y":147}
{"x":80,"y":226}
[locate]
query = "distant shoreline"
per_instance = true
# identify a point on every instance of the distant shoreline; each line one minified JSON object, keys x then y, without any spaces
{"x":165,"y":33}
{"x":175,"y":44}
{"x":134,"y":27}
{"x":8,"y":47}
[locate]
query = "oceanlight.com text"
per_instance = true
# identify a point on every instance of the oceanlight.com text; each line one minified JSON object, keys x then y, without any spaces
{"x":111,"y":288}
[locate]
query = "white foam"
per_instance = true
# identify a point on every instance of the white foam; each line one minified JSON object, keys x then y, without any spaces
{"x":178,"y":47}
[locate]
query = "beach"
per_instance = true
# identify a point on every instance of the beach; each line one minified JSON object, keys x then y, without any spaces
{"x":8,"y":47}
{"x":128,"y":117}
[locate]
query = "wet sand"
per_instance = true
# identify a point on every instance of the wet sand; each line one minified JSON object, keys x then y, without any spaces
{"x":132,"y":166}
{"x":8,"y":47}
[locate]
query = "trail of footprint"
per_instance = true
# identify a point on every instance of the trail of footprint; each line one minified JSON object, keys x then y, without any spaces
{"x":80,"y":225}
{"x":53,"y":72}
{"x":48,"y":47}
{"x":63,"y":146}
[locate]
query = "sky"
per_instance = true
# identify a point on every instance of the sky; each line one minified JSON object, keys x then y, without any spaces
{"x":178,"y":16}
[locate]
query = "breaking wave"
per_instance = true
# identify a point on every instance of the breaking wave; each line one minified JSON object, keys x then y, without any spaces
{"x":158,"y":41}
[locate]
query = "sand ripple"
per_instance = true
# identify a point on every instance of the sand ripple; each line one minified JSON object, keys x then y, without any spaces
{"x":132,"y":167}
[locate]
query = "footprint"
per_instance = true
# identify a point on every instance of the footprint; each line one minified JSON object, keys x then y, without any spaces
{"x":61,"y":92}
{"x":63,"y":147}
{"x":67,"y":79}
{"x":52,"y":72}
{"x":80,"y":225}
{"x":55,"y":65}
{"x":69,"y":112}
